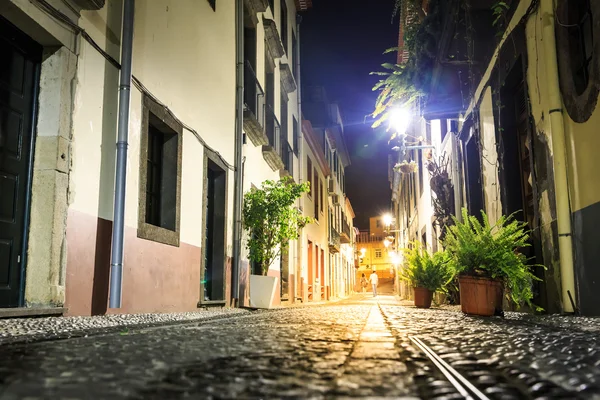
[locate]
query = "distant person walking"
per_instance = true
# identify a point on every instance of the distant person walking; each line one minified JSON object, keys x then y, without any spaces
{"x":374,"y":281}
{"x":363,"y":283}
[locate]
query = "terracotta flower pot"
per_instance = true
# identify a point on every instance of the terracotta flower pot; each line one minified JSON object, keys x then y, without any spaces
{"x":480,"y":296}
{"x":423,"y":297}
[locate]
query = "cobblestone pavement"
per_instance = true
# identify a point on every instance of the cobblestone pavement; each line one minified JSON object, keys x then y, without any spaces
{"x":14,"y":330}
{"x":356,"y":348}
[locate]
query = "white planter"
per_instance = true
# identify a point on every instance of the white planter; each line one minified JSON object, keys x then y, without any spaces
{"x":262,"y":291}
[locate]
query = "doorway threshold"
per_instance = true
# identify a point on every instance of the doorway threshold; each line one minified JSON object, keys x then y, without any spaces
{"x":31,"y":312}
{"x":212,"y":303}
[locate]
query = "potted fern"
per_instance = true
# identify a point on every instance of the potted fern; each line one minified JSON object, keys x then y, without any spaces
{"x":272,"y":220}
{"x":487,"y":260}
{"x":425,"y":273}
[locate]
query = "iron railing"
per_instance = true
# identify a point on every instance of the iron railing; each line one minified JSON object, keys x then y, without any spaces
{"x":254,"y":96}
{"x":287,"y":157}
{"x":364,"y":237}
{"x":273,"y":129}
{"x":334,"y":237}
{"x":346,"y":229}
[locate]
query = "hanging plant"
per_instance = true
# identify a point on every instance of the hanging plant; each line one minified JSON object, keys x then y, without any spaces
{"x":406,"y":167}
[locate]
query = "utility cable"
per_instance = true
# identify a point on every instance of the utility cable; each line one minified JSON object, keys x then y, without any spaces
{"x":58,"y":15}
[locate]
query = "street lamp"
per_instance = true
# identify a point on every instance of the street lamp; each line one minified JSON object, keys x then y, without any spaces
{"x":387,"y":220}
{"x":399,"y":120}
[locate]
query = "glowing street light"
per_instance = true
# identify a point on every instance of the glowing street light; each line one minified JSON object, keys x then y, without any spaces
{"x":363,"y":251}
{"x":386,"y":243}
{"x":399,"y":120}
{"x":387,"y":219}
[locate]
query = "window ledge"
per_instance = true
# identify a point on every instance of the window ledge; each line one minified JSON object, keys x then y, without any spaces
{"x":158,"y":234}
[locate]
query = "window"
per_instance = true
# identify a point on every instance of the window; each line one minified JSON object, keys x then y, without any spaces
{"x":309,"y":175}
{"x":160,"y":175}
{"x":378,"y":253}
{"x":284,"y":25}
{"x":213,"y":4}
{"x":420,"y":170}
{"x":322,"y":195}
{"x":295,"y":138}
{"x":294,"y":53}
{"x":378,"y":223}
{"x":577,"y":41}
{"x":316,"y":197}
{"x":335,"y":162}
{"x":283,"y":133}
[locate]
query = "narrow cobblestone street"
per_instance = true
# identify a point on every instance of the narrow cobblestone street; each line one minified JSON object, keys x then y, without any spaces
{"x":360,"y":347}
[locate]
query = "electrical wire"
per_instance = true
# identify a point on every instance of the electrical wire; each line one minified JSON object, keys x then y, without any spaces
{"x":58,"y":15}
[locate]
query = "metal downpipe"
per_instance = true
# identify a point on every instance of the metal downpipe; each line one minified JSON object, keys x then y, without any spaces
{"x":300,"y":243}
{"x":116,"y":262}
{"x":239,"y":174}
{"x":559,"y":146}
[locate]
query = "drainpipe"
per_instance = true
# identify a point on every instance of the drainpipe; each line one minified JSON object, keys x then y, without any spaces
{"x":239,"y":174}
{"x":557,"y":124}
{"x":116,"y":262}
{"x":300,"y":147}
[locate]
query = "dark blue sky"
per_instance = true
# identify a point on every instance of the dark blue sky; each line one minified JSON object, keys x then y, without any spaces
{"x":342,"y":41}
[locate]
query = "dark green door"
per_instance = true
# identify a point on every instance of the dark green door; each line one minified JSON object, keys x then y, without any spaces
{"x":19,"y":62}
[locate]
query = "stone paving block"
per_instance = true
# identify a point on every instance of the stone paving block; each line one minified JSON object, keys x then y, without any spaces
{"x":380,"y":350}
{"x":354,"y":349}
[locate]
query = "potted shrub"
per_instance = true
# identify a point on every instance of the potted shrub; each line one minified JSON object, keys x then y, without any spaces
{"x":271,"y":220}
{"x":487,"y":260}
{"x":426,"y":273}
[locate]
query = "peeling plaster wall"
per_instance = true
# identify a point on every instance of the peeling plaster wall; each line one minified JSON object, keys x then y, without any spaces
{"x":542,"y":151}
{"x":46,"y":258}
{"x":489,"y":162}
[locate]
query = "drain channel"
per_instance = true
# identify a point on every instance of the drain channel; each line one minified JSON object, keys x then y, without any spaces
{"x":462,"y":385}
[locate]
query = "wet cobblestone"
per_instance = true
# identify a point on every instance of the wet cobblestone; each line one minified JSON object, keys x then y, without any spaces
{"x":359,"y":348}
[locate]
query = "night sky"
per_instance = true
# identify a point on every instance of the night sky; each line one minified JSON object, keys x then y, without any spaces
{"x":342,"y":41}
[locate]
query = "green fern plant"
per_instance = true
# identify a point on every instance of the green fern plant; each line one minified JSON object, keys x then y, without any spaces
{"x":480,"y":249}
{"x":425,"y":270}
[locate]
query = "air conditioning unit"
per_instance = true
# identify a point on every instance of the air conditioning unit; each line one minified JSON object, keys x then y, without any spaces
{"x":331,"y":186}
{"x":335,"y":199}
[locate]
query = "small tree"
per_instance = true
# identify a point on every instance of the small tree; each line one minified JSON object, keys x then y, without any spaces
{"x":272,"y":220}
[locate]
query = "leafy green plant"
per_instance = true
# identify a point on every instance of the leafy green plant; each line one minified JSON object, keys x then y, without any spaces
{"x":271,"y":219}
{"x":480,"y":249}
{"x":425,"y":270}
{"x":407,"y":83}
{"x":396,"y":89}
{"x":499,"y":10}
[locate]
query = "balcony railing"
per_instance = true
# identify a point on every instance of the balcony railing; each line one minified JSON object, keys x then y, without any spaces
{"x":254,"y":107}
{"x":272,"y":151}
{"x":273,"y":129}
{"x":346,"y":236}
{"x":364,"y":237}
{"x":288,"y":158}
{"x":254,"y":96}
{"x":334,"y":240}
